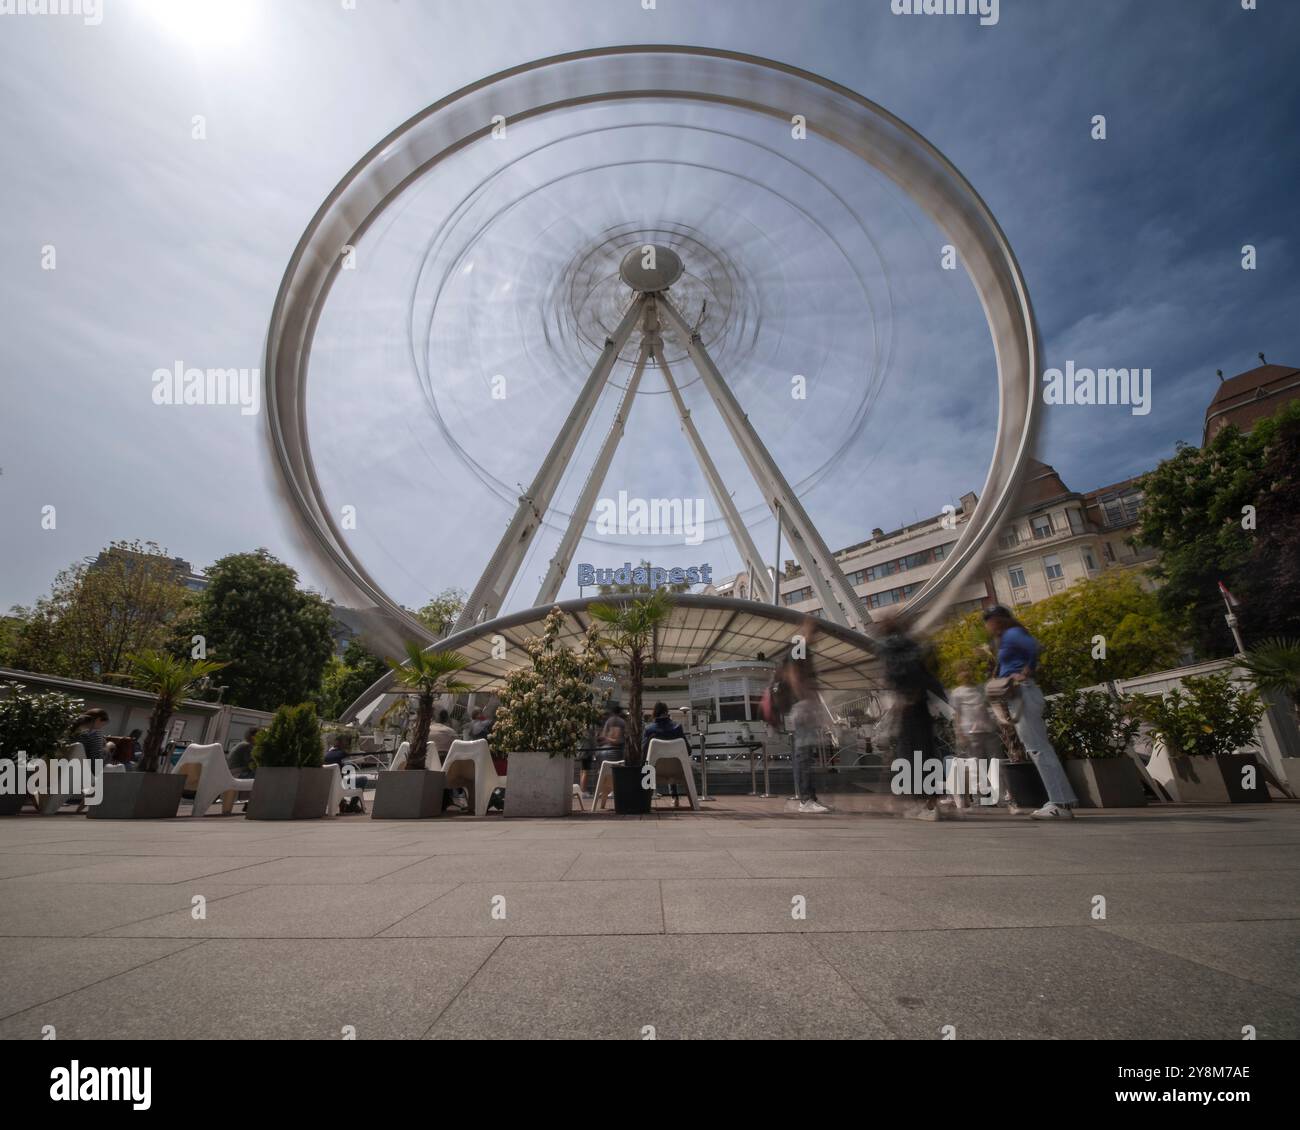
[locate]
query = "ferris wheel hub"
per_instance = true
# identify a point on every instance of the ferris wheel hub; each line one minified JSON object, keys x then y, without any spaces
{"x":650,"y":268}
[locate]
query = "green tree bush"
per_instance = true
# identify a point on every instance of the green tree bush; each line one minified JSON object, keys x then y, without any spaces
{"x":292,"y":740}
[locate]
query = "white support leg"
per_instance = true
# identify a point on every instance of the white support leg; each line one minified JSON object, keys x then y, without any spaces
{"x":839,"y":602}
{"x":587,"y":500}
{"x":490,"y":592}
{"x":759,"y":587}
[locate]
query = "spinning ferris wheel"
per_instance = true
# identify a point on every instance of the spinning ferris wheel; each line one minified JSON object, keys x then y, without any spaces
{"x":635,"y":239}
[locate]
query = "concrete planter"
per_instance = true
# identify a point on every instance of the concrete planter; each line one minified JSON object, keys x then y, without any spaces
{"x":289,"y":793}
{"x":138,"y":796}
{"x":540,"y":785}
{"x":408,"y":794}
{"x":1106,"y":782}
{"x":1189,"y":780}
{"x":1231,"y":766}
{"x":631,"y":797}
{"x":1291,"y":765}
{"x":1024,"y":783}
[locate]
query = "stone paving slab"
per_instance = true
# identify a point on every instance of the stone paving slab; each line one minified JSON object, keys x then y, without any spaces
{"x":264,"y":989}
{"x":1053,"y":984}
{"x":495,"y":910}
{"x":740,"y":987}
{"x":300,"y":911}
{"x":736,"y":922}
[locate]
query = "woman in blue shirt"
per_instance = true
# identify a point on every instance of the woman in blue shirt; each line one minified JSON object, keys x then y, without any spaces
{"x":1017,"y":659}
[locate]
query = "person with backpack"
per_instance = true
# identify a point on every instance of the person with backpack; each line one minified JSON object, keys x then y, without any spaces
{"x":909,"y":675}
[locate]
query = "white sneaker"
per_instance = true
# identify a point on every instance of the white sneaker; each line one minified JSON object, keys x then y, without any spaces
{"x":812,"y":806}
{"x":921,"y":811}
{"x":1051,"y":811}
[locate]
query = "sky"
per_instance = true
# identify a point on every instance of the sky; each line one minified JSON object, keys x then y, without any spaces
{"x":129,"y":244}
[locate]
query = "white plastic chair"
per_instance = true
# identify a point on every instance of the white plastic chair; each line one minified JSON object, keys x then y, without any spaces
{"x":471,"y":763}
{"x":339,"y":793}
{"x":577,"y":795}
{"x":604,"y":784}
{"x":671,"y":759}
{"x":52,"y":802}
{"x":399,"y":758}
{"x":215,"y":778}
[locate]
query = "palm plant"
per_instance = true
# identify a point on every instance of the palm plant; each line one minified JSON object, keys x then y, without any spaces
{"x":629,"y":627}
{"x":169,"y":679}
{"x":1275,"y":666}
{"x":428,"y":674}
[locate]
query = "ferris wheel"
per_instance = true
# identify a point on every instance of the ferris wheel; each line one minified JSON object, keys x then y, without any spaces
{"x":636,"y":237}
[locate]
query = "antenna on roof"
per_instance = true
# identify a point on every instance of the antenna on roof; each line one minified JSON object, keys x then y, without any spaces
{"x":1261,"y":358}
{"x":1220,"y":372}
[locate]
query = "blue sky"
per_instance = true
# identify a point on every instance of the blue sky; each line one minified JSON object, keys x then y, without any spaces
{"x":170,"y":248}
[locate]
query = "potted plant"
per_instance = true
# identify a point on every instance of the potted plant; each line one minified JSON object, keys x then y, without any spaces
{"x":149,"y":794}
{"x":415,"y":791}
{"x":290,"y":782}
{"x":32,"y":726}
{"x":545,"y":711}
{"x":1092,"y":731}
{"x":1198,"y":729}
{"x":628,"y":626}
{"x":1274,"y":666}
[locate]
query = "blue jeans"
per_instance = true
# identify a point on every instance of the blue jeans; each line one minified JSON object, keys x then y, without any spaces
{"x":804,"y":717}
{"x":1033,"y":735}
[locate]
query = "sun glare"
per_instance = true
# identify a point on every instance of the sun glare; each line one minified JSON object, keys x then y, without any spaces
{"x":216,"y":23}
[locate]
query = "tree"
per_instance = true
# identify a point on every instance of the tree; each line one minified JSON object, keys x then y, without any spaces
{"x":1106,"y":627}
{"x":1195,"y":514}
{"x":440,"y":614}
{"x":1275,"y":666}
{"x":1270,"y":586}
{"x":169,"y":680}
{"x":549,"y":705}
{"x":99,"y":611}
{"x":345,"y":678}
{"x":629,"y":627}
{"x":274,"y":638}
{"x":429,"y":674}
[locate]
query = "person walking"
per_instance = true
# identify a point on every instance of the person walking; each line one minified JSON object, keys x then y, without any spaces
{"x":1017,"y":653}
{"x":908,"y":674}
{"x":976,"y":733}
{"x":799,"y":674}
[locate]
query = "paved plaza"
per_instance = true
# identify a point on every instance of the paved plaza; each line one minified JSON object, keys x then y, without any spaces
{"x":736,"y":922}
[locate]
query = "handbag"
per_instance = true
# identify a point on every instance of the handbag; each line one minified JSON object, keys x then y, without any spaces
{"x":1002,"y":689}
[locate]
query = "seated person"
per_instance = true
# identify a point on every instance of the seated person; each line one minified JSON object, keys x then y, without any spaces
{"x":664,"y":728}
{"x":337,"y":755}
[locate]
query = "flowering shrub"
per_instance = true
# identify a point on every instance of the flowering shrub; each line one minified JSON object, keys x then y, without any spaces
{"x":550,"y":705}
{"x":35,"y":723}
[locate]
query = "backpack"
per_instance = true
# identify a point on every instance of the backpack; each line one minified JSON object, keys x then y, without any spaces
{"x":776,"y":701}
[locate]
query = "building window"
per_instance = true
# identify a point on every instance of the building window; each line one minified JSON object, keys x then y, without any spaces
{"x":1107,"y":552}
{"x":1088,"y":561}
{"x":1008,"y":538}
{"x":1017,"y":575}
{"x":1052,"y":567}
{"x":797,"y":596}
{"x":1041,"y":525}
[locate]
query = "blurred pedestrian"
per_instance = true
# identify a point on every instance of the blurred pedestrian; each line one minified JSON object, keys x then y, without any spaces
{"x":1017,"y":654}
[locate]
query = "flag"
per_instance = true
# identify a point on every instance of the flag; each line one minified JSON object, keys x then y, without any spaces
{"x":1231,"y":601}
